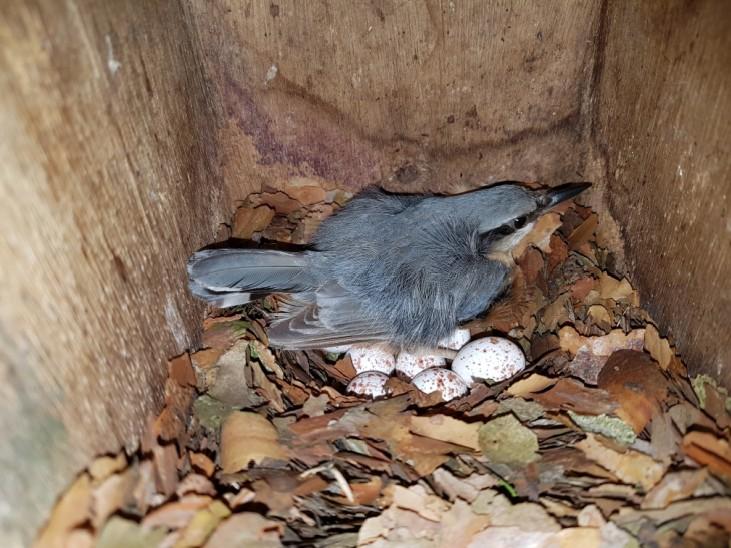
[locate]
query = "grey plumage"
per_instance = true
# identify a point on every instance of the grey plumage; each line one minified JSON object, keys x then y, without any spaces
{"x":400,"y":269}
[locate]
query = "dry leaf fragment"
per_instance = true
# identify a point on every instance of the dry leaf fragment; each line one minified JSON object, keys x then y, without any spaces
{"x":515,"y":310}
{"x":176,"y":515}
{"x":267,"y":359}
{"x":713,"y":399}
{"x":459,"y":525}
{"x":591,"y":353}
{"x":658,"y":347}
{"x":631,"y":466}
{"x":80,"y":538}
{"x":617,"y":290}
{"x":467,"y":488}
{"x":202,"y":462}
{"x":664,"y":437}
{"x":72,"y":510}
{"x":315,"y":406}
{"x":363,"y":493}
{"x":145,"y":493}
{"x":673,"y":487}
{"x":418,"y":518}
{"x":180,"y":370}
{"x":540,"y":235}
{"x":231,"y":382}
{"x":581,"y":288}
{"x":583,"y":233}
{"x":599,"y":317}
{"x":685,"y":415}
{"x":417,"y":499}
{"x":396,"y":527}
{"x":527,"y":515}
{"x":569,"y":537}
{"x":708,"y":450}
{"x":304,"y":191}
{"x":343,"y":370}
{"x":556,"y":313}
{"x":247,"y":529}
{"x":696,"y":507}
{"x":571,"y":394}
{"x":635,"y":382}
{"x":558,"y":508}
{"x":534,"y":383}
{"x":165,"y":459}
{"x":118,"y":532}
{"x":268,"y":390}
{"x":203,"y":523}
{"x":103,"y":467}
{"x":504,"y":440}
{"x":558,"y":254}
{"x":445,"y":428}
{"x":196,"y":484}
{"x":531,"y":264}
{"x":247,"y":437}
{"x":244,"y":496}
{"x":114,"y":493}
{"x":517,"y":536}
{"x":256,"y":328}
{"x":280,"y":202}
{"x":605,"y":345}
{"x":248,"y":221}
{"x":525,"y":411}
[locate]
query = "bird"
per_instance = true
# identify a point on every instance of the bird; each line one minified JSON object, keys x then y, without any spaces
{"x":401,"y":270}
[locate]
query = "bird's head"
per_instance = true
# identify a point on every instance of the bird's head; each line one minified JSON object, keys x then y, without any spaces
{"x":509,"y":212}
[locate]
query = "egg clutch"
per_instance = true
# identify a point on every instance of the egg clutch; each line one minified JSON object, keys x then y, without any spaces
{"x":492,"y":359}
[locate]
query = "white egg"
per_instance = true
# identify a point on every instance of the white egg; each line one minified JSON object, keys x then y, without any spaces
{"x":456,"y":340}
{"x":371,"y":358}
{"x":370,"y":383}
{"x":491,"y":358}
{"x":411,"y":365}
{"x":438,"y":379}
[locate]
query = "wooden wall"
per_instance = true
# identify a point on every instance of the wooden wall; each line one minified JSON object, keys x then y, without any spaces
{"x":130,"y":129}
{"x":413,"y":95}
{"x":108,"y":178}
{"x":662,"y":123}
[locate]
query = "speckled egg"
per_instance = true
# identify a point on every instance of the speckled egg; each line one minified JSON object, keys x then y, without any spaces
{"x":410,"y":365}
{"x":492,"y":358}
{"x":456,"y":340}
{"x":438,"y":379}
{"x":371,"y":358}
{"x":370,"y":383}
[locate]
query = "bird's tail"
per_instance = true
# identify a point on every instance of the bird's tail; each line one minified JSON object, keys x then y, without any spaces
{"x":229,"y":277}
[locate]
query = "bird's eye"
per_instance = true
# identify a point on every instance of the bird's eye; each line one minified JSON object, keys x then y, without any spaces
{"x":520,"y":222}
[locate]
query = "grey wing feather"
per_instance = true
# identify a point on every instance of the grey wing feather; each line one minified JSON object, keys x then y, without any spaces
{"x":226,"y":277}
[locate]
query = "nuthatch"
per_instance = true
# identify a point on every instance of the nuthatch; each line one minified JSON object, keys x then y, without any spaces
{"x":402,"y":270}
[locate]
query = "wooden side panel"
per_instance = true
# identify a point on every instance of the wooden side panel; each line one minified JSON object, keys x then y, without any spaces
{"x":415,"y":95}
{"x":108,"y":178}
{"x":663,"y":121}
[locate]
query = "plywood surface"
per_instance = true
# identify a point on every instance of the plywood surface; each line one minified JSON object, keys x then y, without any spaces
{"x":108,"y":178}
{"x":431,"y":95}
{"x":130,"y":129}
{"x":663,"y":121}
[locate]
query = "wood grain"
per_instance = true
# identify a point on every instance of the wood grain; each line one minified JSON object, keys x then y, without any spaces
{"x":130,"y":130}
{"x":662,"y":124}
{"x":109,"y":179}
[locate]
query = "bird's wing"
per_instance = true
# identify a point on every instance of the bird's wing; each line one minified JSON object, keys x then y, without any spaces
{"x":323,"y":318}
{"x":232,"y":276}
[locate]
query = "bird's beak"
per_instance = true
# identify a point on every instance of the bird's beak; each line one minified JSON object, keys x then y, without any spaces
{"x":556,"y":195}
